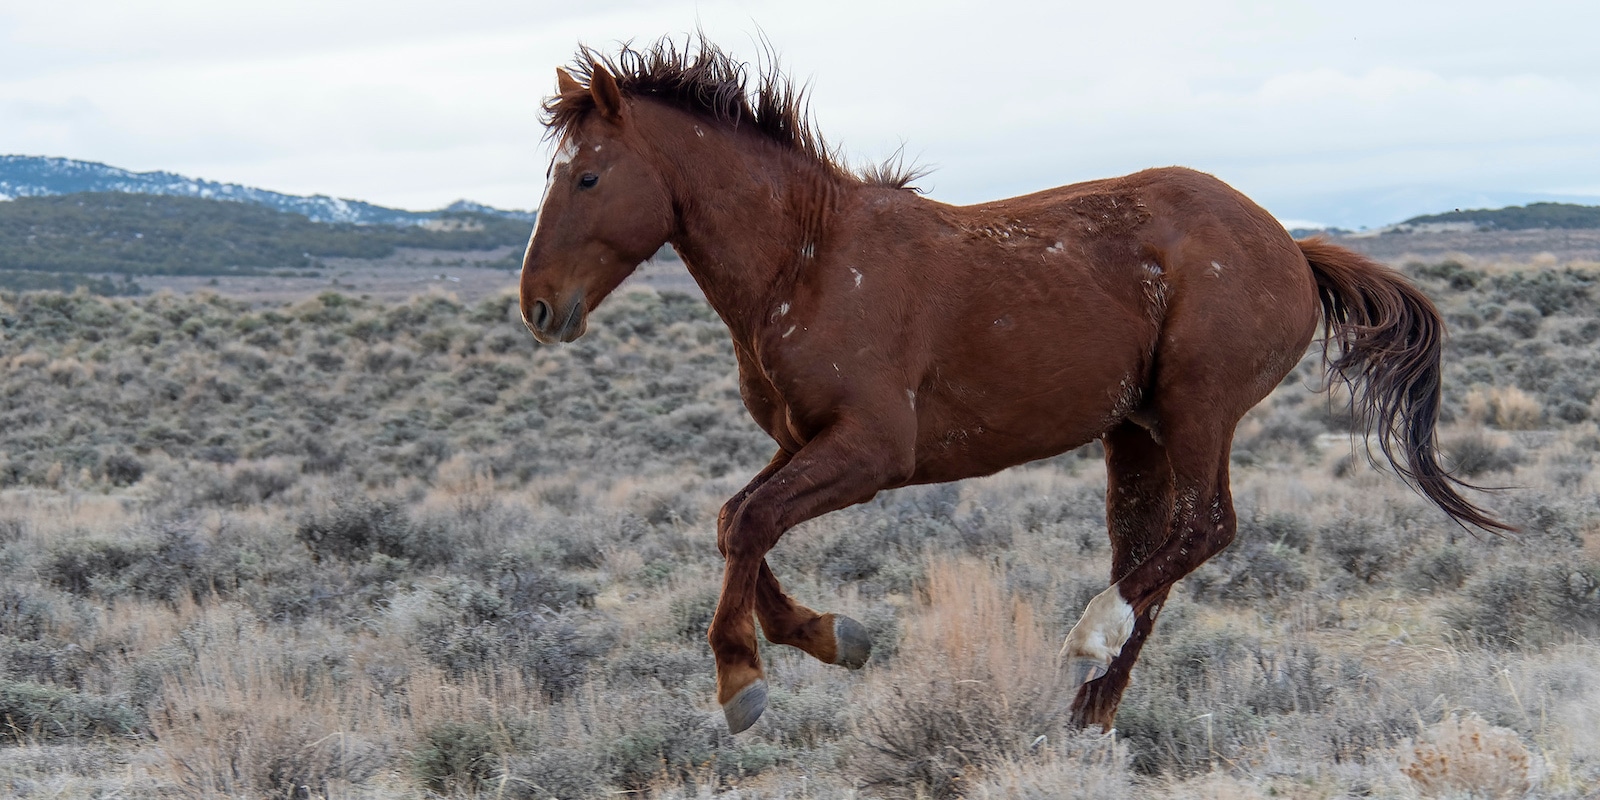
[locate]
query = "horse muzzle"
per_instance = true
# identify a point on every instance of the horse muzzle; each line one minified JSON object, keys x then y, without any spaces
{"x":550,"y":326}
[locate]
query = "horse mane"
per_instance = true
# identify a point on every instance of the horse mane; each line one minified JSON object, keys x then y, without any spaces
{"x":701,"y":78}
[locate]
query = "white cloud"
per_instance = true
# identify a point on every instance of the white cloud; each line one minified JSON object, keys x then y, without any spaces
{"x":417,"y":104}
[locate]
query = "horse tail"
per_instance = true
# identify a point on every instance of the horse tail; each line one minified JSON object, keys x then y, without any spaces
{"x":1389,"y":335}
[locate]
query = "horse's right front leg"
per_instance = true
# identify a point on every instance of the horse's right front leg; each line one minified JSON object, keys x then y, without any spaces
{"x":844,"y":465}
{"x":830,"y":638}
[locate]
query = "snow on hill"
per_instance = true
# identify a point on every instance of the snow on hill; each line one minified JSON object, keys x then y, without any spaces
{"x":35,"y":176}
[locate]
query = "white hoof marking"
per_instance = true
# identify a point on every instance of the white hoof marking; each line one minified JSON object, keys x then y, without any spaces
{"x":1105,"y":626}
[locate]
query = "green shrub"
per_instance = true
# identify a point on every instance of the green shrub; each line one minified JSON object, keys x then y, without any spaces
{"x":1444,"y":567}
{"x":1527,"y":605}
{"x":38,"y":713}
{"x":1474,"y":454}
{"x":457,"y":757}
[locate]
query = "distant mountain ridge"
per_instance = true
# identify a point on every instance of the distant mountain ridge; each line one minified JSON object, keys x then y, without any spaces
{"x":43,"y":176}
{"x":1512,"y":218}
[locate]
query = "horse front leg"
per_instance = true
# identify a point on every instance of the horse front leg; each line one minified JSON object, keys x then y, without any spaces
{"x":844,"y":465}
{"x":829,"y":638}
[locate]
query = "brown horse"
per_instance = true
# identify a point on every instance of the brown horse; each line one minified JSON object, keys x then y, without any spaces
{"x":884,"y":339}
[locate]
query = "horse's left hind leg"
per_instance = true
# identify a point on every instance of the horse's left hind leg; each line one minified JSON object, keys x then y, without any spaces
{"x":1138,"y":516}
{"x":1201,"y":523}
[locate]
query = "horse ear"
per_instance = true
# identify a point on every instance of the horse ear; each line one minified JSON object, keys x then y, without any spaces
{"x":607,"y":97}
{"x":565,"y":83}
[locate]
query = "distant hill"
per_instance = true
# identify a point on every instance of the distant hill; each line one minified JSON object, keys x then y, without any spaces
{"x":1533,"y":216}
{"x":140,"y":234}
{"x":38,"y":176}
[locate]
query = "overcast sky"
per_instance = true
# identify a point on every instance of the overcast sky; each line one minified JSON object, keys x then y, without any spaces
{"x":1351,"y":113}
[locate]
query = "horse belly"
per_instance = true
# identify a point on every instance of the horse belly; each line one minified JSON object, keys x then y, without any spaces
{"x":1011,"y":408}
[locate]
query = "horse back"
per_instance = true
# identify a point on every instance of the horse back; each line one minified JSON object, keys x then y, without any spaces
{"x":1021,"y":328}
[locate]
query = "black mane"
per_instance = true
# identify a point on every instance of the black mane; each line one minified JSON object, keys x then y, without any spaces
{"x":702,"y":79}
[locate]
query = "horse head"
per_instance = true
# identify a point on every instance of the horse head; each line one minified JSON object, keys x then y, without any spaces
{"x":606,"y":208}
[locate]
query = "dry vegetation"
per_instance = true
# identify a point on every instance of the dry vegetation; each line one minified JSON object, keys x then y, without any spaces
{"x":344,"y":548}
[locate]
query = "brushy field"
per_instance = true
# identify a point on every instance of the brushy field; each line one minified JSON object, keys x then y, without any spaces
{"x":349,"y":549}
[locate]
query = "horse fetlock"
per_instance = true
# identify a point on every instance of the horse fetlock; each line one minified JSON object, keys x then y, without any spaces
{"x":1104,"y":627}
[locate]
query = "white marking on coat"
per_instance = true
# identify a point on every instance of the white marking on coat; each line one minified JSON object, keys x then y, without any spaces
{"x":699,"y":132}
{"x":783,"y":309}
{"x":1215,"y":271}
{"x":911,"y":397}
{"x":809,"y":250}
{"x":787,"y":332}
{"x":1155,"y":289}
{"x":857,"y":273}
{"x":1105,"y":626}
{"x":563,"y":156}
{"x":1055,"y":248}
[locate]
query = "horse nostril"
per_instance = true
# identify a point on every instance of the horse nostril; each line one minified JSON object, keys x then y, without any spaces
{"x":541,"y":314}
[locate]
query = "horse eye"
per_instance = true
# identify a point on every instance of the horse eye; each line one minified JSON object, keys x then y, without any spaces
{"x":588,"y":180}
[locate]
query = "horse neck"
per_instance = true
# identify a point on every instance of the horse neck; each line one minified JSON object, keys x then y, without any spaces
{"x":750,"y":214}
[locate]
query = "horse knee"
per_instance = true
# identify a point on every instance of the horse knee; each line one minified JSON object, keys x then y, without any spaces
{"x":724,"y":523}
{"x":750,"y":532}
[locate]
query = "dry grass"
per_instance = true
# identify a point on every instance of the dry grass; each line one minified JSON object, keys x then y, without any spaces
{"x":1466,"y":756}
{"x":525,"y":615}
{"x":1505,"y":407}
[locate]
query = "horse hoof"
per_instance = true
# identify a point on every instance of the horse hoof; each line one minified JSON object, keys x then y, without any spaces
{"x":853,"y":643}
{"x":1082,"y":670}
{"x":746,"y":706}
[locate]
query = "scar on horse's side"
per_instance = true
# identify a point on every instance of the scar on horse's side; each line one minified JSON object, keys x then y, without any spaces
{"x":885,"y":339}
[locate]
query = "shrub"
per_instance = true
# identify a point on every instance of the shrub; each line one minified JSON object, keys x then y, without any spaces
{"x":662,"y":736}
{"x":1467,"y":757}
{"x":1250,"y":570}
{"x":1451,"y":272}
{"x":1478,"y":343}
{"x":38,"y":713}
{"x":1548,"y":291}
{"x":1185,"y":711}
{"x":1445,"y":567}
{"x":161,"y":567}
{"x":1522,"y":320}
{"x":981,"y":685}
{"x":456,"y":757}
{"x":1521,"y":605}
{"x":1474,"y":453}
{"x":355,"y":528}
{"x":1506,"y":407}
{"x":122,"y":469}
{"x":540,"y":772}
{"x":1359,"y":547}
{"x":1581,"y":336}
{"x":247,"y":486}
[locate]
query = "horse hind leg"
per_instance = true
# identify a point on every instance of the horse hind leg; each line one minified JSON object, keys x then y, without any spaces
{"x":1138,"y":513}
{"x":1200,"y":523}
